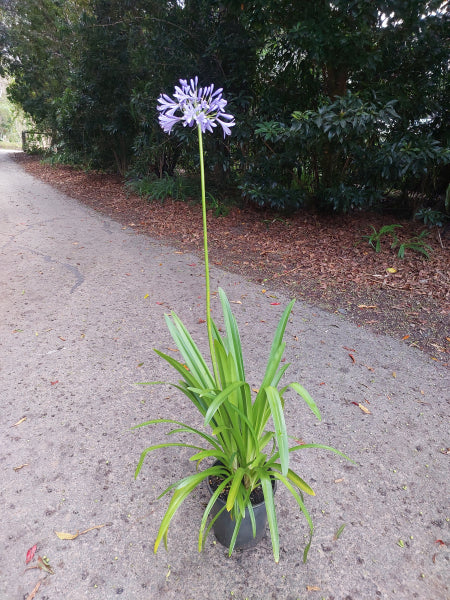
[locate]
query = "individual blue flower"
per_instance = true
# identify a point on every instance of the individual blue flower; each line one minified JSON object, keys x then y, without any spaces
{"x":204,"y":107}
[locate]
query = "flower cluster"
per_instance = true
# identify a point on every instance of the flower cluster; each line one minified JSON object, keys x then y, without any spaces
{"x":203,"y":107}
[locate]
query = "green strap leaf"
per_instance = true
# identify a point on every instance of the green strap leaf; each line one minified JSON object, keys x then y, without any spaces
{"x":276,"y":409}
{"x":185,"y":427}
{"x":156,"y":447}
{"x":238,"y":475}
{"x":296,"y":480}
{"x":220,"y":399}
{"x":306,"y":397}
{"x":302,"y":506}
{"x":266,"y":484}
{"x":234,"y":341}
{"x":190,"y":351}
{"x":218,"y":470}
{"x":188,"y":484}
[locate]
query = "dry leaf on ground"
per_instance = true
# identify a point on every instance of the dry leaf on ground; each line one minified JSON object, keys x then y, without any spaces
{"x":20,"y":467}
{"x":72,"y":536}
{"x":30,"y":554}
{"x":34,"y":591}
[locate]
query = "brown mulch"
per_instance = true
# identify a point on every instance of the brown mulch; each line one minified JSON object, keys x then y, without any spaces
{"x":324,"y":260}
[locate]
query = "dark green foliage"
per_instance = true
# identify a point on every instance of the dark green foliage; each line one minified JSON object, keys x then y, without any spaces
{"x":330,"y":153}
{"x":376,"y":237}
{"x":153,"y":188}
{"x":336,"y":103}
{"x":431,"y":218}
{"x":416,"y":243}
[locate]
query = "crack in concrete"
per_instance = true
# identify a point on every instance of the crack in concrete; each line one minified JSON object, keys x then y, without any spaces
{"x":79,"y":277}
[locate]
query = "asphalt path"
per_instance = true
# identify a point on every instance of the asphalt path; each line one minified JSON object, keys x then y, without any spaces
{"x":82,"y":303}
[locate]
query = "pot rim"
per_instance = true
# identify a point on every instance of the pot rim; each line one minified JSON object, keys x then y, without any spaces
{"x":219,"y":499}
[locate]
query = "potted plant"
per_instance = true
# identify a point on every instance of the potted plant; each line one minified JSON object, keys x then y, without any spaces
{"x":248,"y":457}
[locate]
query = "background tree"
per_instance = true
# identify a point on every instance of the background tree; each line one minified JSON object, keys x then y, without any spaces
{"x":368,"y":83}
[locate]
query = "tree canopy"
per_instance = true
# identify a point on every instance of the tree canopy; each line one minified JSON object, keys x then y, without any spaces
{"x":335,"y":102}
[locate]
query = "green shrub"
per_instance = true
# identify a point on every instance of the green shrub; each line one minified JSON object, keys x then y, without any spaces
{"x":151,"y":188}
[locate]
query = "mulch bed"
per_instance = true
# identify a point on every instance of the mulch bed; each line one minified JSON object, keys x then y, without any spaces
{"x":324,"y":260}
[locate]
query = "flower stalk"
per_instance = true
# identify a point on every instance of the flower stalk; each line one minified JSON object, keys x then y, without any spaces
{"x":206,"y":258}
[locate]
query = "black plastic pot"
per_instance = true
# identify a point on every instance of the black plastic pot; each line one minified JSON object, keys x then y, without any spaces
{"x":224,"y":525}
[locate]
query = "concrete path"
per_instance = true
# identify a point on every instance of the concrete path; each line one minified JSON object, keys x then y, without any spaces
{"x":82,"y":301}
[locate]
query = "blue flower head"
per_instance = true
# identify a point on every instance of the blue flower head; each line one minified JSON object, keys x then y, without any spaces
{"x":198,"y":106}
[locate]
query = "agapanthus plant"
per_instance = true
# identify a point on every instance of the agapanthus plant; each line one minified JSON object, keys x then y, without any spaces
{"x":247,"y":454}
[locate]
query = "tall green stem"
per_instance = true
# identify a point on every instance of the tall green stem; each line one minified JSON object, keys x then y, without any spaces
{"x":205,"y":249}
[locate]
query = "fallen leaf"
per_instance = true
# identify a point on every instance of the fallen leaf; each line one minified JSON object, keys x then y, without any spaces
{"x":338,"y":533}
{"x":54,"y":382}
{"x":19,"y":422}
{"x":72,"y":536}
{"x":44,"y":565}
{"x":312,"y":588}
{"x":339,"y":480}
{"x":34,"y":591}
{"x":20,"y":467}
{"x":405,"y":337}
{"x":438,"y":348}
{"x":67,"y":536}
{"x":235,"y":302}
{"x":394,"y":374}
{"x":30,"y":554}
{"x":201,"y":321}
{"x":140,"y":364}
{"x":391,"y":270}
{"x":146,"y":296}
